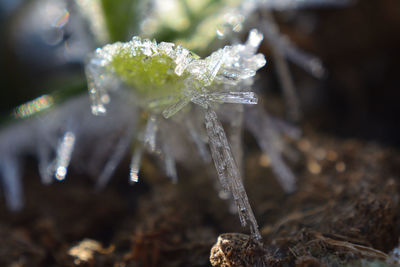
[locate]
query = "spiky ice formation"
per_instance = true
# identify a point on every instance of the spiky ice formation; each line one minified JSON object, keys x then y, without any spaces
{"x":225,"y":77}
{"x":67,"y":134}
{"x":164,"y":78}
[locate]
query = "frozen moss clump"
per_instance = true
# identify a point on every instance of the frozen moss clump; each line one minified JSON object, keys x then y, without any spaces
{"x":165,"y":78}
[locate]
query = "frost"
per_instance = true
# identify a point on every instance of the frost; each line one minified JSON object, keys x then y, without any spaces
{"x":151,"y":133}
{"x":267,"y":135}
{"x":228,"y":171}
{"x":164,"y":79}
{"x":154,"y":95}
{"x":11,"y":180}
{"x":64,"y":151}
{"x":146,"y":68}
{"x":119,"y":152}
{"x":85,"y":137}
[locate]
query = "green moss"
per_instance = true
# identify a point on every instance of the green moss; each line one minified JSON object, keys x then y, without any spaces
{"x":151,"y":78}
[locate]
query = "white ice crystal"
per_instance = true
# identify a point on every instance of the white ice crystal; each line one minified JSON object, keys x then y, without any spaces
{"x":178,"y":95}
{"x":63,"y":135}
{"x":218,"y":78}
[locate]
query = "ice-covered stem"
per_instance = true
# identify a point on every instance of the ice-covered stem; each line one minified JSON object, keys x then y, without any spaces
{"x":228,"y":172}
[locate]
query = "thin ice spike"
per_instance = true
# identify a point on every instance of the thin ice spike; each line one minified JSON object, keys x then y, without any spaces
{"x":282,"y":67}
{"x":309,"y":63}
{"x":299,"y":4}
{"x":174,"y":108}
{"x":135,"y":163}
{"x":198,"y":141}
{"x":11,"y":179}
{"x":234,"y":97}
{"x":63,"y":158}
{"x":150,"y":133}
{"x":228,"y":171}
{"x":260,"y":125}
{"x":96,"y":92}
{"x":44,"y":163}
{"x":170,"y":164}
{"x":114,"y":160}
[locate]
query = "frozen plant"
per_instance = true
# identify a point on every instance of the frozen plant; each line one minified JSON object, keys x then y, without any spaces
{"x":230,"y":18}
{"x":155,"y":95}
{"x":164,"y":79}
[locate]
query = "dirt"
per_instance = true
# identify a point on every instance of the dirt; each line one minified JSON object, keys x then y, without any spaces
{"x":345,"y":209}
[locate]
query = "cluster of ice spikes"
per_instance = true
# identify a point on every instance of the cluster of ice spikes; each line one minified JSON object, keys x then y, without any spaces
{"x":165,"y":78}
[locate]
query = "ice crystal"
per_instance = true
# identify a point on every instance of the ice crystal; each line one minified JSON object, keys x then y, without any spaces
{"x":231,"y":17}
{"x":63,"y":136}
{"x":177,"y":95}
{"x":164,"y":78}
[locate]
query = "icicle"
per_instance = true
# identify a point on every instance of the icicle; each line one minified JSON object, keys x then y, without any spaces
{"x":253,"y":41}
{"x":12,"y":186}
{"x":44,"y":163}
{"x":289,"y":90}
{"x":135,"y":163}
{"x":234,"y":97}
{"x":169,"y":161}
{"x":282,"y":44}
{"x":96,"y":93}
{"x":117,"y":155}
{"x":228,"y":171}
{"x":151,"y":133}
{"x":297,"y":4}
{"x":199,"y":142}
{"x":235,"y":133}
{"x":260,"y":125}
{"x":174,"y":108}
{"x":64,"y":151}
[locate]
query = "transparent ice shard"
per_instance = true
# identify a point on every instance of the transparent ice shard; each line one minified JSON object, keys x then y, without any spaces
{"x":92,"y":11}
{"x":167,"y":48}
{"x":177,"y":106}
{"x":169,"y":161}
{"x":262,"y":128}
{"x":182,"y":60}
{"x":10,"y":177}
{"x":234,"y":97}
{"x":288,"y":87}
{"x":63,"y":158}
{"x":285,"y":78}
{"x":228,"y":171}
{"x":253,"y":41}
{"x":235,"y":133}
{"x":45,"y":166}
{"x":134,"y":166}
{"x":294,"y":4}
{"x":150,"y":133}
{"x":284,"y":46}
{"x":214,"y":63}
{"x":96,"y":93}
{"x":115,"y":158}
{"x":198,"y":140}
